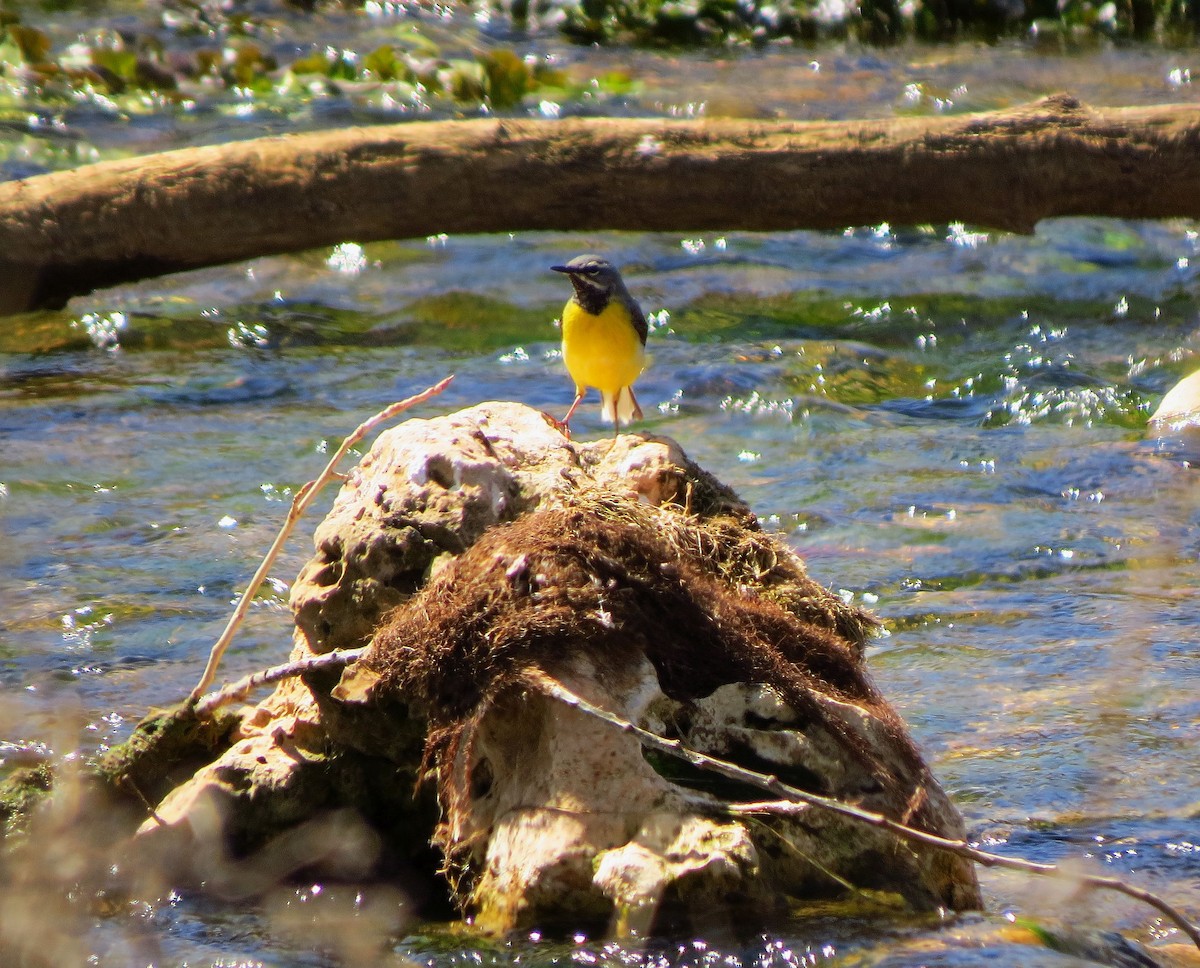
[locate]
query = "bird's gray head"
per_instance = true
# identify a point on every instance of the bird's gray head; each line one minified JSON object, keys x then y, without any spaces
{"x":595,"y":279}
{"x":597,"y":283}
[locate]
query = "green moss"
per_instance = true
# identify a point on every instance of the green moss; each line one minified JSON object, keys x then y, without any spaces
{"x":166,"y":747}
{"x":467,"y":322}
{"x":20,"y":793}
{"x":127,"y":67}
{"x":897,"y":319}
{"x":1089,"y":944}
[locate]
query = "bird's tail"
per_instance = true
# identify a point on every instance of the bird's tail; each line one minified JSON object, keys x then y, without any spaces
{"x":621,"y":408}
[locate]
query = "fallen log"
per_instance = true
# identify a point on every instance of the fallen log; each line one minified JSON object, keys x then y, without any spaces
{"x":67,"y":233}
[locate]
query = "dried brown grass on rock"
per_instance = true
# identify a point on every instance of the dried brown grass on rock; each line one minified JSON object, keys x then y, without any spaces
{"x":708,"y":602}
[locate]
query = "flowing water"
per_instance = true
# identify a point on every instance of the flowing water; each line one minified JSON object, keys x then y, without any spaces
{"x":949,"y":424}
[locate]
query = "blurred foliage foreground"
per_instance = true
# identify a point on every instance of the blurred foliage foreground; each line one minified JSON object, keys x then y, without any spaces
{"x":182,"y":50}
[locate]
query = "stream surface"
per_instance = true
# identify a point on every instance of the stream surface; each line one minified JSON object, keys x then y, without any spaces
{"x":948,"y":423}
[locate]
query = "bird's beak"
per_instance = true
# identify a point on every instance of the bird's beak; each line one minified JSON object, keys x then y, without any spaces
{"x":561,"y":268}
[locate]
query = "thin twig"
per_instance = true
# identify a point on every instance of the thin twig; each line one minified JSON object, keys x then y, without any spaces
{"x":304,"y":497}
{"x":126,"y":781}
{"x":264,"y":677}
{"x":810,"y":860}
{"x":774,"y":785}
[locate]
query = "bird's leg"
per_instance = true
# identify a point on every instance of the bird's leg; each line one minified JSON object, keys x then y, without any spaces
{"x":637,"y":409}
{"x":564,"y":425}
{"x":579,"y":395}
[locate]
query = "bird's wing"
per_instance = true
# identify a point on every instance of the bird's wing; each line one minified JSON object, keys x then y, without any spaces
{"x":639,"y":321}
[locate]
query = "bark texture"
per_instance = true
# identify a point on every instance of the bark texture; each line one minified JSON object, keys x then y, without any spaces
{"x":69,"y":232}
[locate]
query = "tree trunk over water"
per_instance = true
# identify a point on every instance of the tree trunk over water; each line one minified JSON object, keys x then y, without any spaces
{"x":67,"y":233}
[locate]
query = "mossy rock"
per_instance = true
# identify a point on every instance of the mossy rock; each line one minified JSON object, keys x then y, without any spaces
{"x":166,"y":747}
{"x":20,"y":793}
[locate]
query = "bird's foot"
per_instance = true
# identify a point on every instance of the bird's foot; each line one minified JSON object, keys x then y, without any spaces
{"x":561,"y":426}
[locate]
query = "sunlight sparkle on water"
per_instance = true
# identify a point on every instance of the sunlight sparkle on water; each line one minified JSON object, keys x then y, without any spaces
{"x":347,"y":258}
{"x":671,"y":405}
{"x":103,"y":330}
{"x":272,"y":493}
{"x":759,"y":406}
{"x":244,"y":336}
{"x":659,"y":321}
{"x":959,"y":236}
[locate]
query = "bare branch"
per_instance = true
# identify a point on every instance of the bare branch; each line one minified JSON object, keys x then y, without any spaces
{"x":552,"y":687}
{"x":243,"y":687}
{"x":300,"y":504}
{"x":127,"y":782}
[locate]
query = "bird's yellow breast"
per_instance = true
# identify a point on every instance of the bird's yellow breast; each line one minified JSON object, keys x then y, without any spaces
{"x":601,"y":351}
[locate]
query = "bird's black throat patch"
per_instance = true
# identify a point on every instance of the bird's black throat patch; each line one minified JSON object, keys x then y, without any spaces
{"x":592,"y":300}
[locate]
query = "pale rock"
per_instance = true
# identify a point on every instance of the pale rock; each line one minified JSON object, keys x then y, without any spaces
{"x":564,"y":818}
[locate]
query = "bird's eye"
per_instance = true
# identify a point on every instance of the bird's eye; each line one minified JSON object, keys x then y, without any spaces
{"x":592,"y":270}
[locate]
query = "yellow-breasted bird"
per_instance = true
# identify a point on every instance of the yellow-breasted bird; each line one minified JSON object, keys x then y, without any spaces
{"x":603,"y":339}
